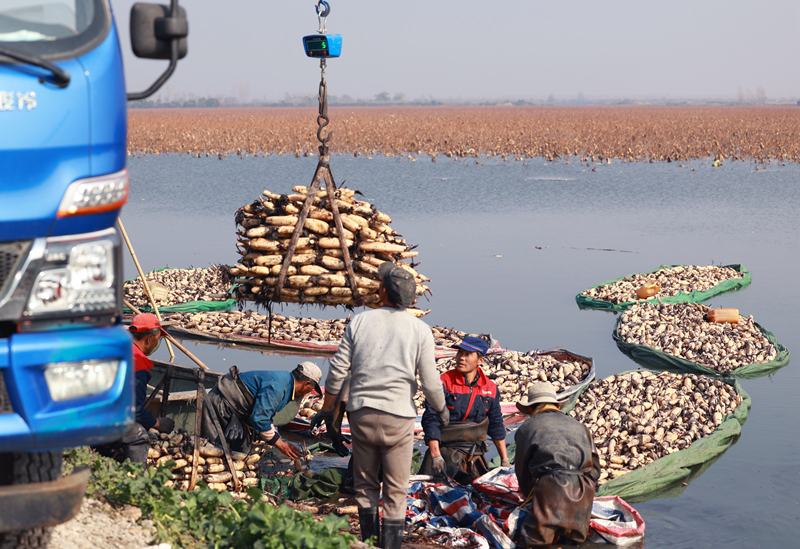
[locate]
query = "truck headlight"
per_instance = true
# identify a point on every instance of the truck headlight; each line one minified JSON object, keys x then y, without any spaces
{"x":95,"y":195}
{"x":68,"y":380}
{"x":78,"y":277}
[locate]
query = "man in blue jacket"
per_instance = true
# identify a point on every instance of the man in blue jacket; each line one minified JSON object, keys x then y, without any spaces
{"x":246,"y":403}
{"x":474,"y":404}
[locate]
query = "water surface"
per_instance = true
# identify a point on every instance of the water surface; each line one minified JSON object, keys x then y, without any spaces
{"x":508,"y":245}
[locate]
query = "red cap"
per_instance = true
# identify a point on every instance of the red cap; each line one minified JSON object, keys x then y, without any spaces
{"x":145,"y":322}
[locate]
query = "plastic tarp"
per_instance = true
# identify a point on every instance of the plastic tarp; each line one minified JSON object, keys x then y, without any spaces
{"x":187,"y":307}
{"x":655,"y":359}
{"x":586,"y":302}
{"x":665,"y":476}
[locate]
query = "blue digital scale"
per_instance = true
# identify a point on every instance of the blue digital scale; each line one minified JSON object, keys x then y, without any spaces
{"x":323,"y":45}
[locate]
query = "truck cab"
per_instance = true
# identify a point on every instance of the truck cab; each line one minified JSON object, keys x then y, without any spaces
{"x":66,"y":370}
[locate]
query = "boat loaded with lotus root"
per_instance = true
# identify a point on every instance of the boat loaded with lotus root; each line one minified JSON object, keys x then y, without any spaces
{"x":696,"y":338}
{"x":669,"y":283}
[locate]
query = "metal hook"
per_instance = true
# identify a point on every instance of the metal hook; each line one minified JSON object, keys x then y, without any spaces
{"x":322,"y":15}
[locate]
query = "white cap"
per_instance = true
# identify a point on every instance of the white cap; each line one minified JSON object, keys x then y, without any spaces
{"x":310,"y":371}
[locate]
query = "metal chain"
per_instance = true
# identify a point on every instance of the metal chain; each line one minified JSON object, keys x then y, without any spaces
{"x":322,"y":119}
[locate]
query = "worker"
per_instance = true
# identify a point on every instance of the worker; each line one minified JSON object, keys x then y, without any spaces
{"x":557,"y":467}
{"x":146,"y":331}
{"x":384,"y":350}
{"x":246,"y":403}
{"x":473,"y":401}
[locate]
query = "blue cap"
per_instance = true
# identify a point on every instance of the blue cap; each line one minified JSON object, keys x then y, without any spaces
{"x":473,"y":344}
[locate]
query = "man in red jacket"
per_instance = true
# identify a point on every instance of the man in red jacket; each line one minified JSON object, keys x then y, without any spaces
{"x":146,"y":331}
{"x":474,"y":404}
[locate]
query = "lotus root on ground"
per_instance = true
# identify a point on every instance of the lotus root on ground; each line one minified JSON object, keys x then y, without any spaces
{"x":212,"y":466}
{"x":681,"y":329}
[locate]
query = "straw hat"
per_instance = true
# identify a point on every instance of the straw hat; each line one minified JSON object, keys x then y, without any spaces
{"x":538,"y":392}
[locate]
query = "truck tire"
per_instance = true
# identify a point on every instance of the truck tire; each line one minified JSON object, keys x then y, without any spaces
{"x":23,"y":469}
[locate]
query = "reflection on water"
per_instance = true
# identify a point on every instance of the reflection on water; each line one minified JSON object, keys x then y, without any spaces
{"x":509,"y":245}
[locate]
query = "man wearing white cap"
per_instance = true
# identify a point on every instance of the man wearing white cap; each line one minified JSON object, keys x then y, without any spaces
{"x":246,"y":403}
{"x":557,"y":466}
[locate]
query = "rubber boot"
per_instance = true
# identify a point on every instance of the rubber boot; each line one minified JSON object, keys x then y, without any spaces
{"x":135,"y":443}
{"x":393,"y":533}
{"x":370,"y":523}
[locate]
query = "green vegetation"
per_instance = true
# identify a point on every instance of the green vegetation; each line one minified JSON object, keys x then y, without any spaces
{"x":205,"y":517}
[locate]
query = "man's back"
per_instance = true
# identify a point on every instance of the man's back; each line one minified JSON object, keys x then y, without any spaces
{"x":385,"y":348}
{"x":550,"y":441}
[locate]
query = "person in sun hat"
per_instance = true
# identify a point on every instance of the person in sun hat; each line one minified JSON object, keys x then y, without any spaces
{"x":557,"y":467}
{"x":382,"y":351}
{"x":473,"y":401}
{"x":146,"y":330}
{"x":246,"y":403}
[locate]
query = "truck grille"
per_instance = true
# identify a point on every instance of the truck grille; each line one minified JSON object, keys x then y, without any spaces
{"x":5,"y":402}
{"x":11,"y":253}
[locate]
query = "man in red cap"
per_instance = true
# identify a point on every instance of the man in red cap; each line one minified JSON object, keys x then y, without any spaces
{"x":146,"y":330}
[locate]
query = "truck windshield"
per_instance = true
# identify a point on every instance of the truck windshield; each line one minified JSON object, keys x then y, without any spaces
{"x":53,"y":29}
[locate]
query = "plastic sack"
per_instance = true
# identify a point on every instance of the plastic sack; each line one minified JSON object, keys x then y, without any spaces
{"x":614,"y":521}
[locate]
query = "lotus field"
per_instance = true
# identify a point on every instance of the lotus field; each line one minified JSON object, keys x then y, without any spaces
{"x":587,"y":134}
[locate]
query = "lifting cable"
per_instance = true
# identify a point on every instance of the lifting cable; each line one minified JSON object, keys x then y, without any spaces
{"x":321,"y":45}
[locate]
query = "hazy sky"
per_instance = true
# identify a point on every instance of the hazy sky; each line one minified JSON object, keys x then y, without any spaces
{"x":251,"y":49}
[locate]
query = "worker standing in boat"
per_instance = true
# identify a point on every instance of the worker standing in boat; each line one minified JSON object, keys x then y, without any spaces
{"x":146,"y":330}
{"x":557,"y":467}
{"x":383,"y":350}
{"x":246,"y":403}
{"x":473,"y":401}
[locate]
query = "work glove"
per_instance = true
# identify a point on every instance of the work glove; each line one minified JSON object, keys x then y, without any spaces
{"x":444,"y":416}
{"x":338,"y":444}
{"x":319,"y":417}
{"x":166,"y":425}
{"x":438,"y":466}
{"x":505,"y":463}
{"x":234,"y":431}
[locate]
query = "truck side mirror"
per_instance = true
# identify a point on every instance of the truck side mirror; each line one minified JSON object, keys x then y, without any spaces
{"x":152,"y":31}
{"x":158,"y":32}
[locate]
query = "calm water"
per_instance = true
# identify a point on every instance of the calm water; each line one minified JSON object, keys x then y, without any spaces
{"x":509,"y":245}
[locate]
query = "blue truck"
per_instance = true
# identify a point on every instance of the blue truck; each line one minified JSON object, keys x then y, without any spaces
{"x":66,"y":369}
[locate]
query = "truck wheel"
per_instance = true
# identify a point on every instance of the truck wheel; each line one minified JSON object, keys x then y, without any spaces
{"x":24,"y":469}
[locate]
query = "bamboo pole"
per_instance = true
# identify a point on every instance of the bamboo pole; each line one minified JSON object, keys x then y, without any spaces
{"x":172,"y":339}
{"x":144,"y":281}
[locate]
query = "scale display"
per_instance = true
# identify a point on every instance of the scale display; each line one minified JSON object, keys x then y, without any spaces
{"x":323,"y":45}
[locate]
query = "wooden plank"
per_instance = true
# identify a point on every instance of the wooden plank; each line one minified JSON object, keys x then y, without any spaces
{"x":198,"y":426}
{"x":165,"y":399}
{"x":322,"y":165}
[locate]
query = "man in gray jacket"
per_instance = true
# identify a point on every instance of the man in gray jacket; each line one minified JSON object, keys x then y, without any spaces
{"x":383,"y":350}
